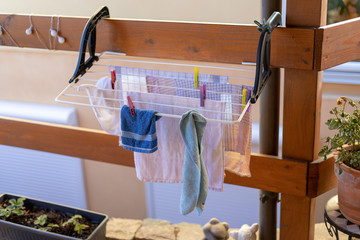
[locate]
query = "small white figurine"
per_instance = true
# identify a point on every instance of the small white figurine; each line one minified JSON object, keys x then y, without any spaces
{"x":216,"y":230}
{"x":245,"y":232}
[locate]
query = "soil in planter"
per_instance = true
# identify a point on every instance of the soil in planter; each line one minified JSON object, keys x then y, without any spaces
{"x":31,"y":213}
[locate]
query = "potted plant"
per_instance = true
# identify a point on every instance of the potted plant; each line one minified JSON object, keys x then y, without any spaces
{"x":345,"y":143}
{"x":27,"y":218}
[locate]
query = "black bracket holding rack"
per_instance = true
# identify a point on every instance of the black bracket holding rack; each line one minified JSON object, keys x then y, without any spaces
{"x":88,"y":39}
{"x":263,"y":53}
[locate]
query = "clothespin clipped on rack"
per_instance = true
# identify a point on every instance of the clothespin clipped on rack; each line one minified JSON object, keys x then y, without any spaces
{"x":202,"y":95}
{"x":131,"y":106}
{"x":196,"y":77}
{"x":248,"y":96}
{"x":263,"y":53}
{"x":113,"y":78}
{"x":243,"y":99}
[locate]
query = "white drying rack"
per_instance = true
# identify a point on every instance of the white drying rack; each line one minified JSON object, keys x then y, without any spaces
{"x":135,"y":80}
{"x":260,"y":72}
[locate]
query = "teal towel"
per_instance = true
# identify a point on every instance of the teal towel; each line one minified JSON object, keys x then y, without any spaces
{"x":195,"y":178}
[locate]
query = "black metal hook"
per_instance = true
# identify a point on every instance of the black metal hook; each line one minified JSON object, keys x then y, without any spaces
{"x":88,"y":39}
{"x":263,"y":54}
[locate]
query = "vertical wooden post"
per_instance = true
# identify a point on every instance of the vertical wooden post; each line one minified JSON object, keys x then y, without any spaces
{"x":302,"y":104}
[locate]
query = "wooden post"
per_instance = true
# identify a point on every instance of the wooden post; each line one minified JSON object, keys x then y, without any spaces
{"x":302,"y":104}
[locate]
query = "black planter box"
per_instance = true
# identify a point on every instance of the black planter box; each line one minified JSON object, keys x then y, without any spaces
{"x":13,"y":231}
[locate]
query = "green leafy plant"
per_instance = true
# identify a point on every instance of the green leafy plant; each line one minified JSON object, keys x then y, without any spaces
{"x":347,"y":136}
{"x":41,"y":221}
{"x":340,"y":10}
{"x":78,"y":227}
{"x":16,"y":206}
{"x":49,"y":227}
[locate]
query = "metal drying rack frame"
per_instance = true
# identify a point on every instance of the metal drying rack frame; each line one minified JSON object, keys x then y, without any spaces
{"x":88,"y":40}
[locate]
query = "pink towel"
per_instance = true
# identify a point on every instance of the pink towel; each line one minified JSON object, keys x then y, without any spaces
{"x":239,"y":162}
{"x":165,"y":165}
{"x":237,"y":137}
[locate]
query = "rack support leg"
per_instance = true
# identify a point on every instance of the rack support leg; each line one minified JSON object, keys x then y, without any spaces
{"x":269,"y":136}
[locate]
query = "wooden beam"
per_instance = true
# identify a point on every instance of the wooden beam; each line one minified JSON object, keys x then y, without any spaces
{"x":268,"y":172}
{"x":65,"y":140}
{"x":337,"y":43}
{"x":321,"y":177}
{"x":274,"y":174}
{"x":302,"y":104}
{"x":223,"y":43}
{"x":297,"y":217}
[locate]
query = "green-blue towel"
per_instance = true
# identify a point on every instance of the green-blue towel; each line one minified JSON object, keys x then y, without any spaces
{"x":195,"y":178}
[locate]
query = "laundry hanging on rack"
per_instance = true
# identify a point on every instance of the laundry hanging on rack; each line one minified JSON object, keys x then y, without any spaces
{"x":237,"y":137}
{"x":195,"y":177}
{"x":138,"y":132}
{"x":166,"y":164}
{"x":262,"y":73}
{"x":102,"y":94}
{"x":238,"y":161}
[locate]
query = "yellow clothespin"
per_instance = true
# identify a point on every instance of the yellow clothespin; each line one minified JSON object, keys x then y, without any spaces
{"x":196,"y":77}
{"x":243,"y":100}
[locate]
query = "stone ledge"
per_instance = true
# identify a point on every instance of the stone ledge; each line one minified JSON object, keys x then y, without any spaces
{"x":154,"y":229}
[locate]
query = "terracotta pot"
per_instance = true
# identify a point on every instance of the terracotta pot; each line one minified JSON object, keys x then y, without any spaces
{"x":349,"y":192}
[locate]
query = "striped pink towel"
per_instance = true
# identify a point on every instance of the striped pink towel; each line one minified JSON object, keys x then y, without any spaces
{"x":165,"y":165}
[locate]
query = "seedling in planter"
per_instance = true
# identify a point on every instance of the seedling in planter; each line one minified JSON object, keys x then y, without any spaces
{"x":17,"y":204}
{"x":41,"y":220}
{"x":49,"y":227}
{"x":5,"y":212}
{"x":78,"y":226}
{"x":16,"y":207}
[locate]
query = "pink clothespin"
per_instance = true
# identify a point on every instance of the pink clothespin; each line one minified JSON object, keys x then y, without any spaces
{"x":113,"y":79}
{"x":204,"y":91}
{"x":131,"y":106}
{"x":202,"y":95}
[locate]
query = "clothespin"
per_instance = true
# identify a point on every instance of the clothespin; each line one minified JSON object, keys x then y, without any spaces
{"x":113,"y":79}
{"x":131,"y":106}
{"x":204,"y":90}
{"x":243,"y":100}
{"x":196,"y":77}
{"x":248,"y":96}
{"x":202,"y":95}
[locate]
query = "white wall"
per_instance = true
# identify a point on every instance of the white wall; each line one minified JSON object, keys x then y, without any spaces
{"x":230,"y":11}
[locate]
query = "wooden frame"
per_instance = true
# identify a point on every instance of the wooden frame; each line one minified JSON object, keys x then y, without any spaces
{"x":304,"y":49}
